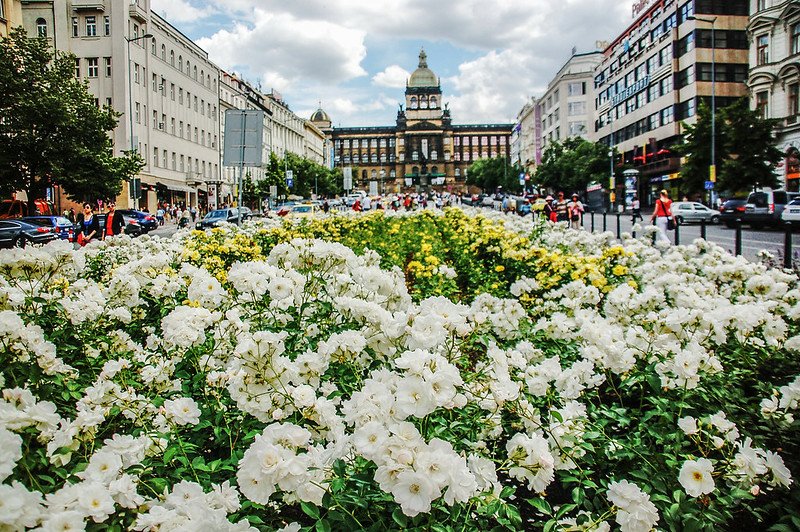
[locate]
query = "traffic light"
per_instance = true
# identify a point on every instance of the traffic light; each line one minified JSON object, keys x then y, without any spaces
{"x":136,"y":188}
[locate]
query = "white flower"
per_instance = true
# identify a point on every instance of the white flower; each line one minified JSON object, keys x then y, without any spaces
{"x":688,"y":425}
{"x":695,"y":477}
{"x":781,"y":474}
{"x":95,"y":501}
{"x":414,"y":492}
{"x":635,"y":511}
{"x":182,"y":411}
{"x":64,"y":522}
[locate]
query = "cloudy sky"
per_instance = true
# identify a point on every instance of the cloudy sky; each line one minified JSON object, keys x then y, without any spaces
{"x":354,"y":56}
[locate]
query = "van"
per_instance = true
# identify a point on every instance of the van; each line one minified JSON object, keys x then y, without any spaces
{"x":765,"y":207}
{"x":18,"y":208}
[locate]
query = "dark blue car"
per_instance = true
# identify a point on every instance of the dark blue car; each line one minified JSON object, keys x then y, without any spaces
{"x":145,"y":220}
{"x":59,"y":225}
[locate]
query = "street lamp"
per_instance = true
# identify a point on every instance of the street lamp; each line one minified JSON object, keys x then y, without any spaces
{"x":130,"y":103}
{"x":712,"y":169}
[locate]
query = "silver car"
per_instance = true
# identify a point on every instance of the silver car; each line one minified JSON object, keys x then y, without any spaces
{"x":693,"y":212}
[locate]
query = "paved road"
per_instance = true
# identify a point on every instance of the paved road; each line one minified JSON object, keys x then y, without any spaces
{"x":753,"y":241}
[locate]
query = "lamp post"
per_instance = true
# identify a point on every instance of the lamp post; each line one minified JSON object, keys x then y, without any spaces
{"x":130,"y":103}
{"x":712,"y":169}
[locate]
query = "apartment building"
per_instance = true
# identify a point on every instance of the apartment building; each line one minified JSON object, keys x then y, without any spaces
{"x":529,"y":136}
{"x":10,"y":15}
{"x":654,"y":75}
{"x":163,"y":84}
{"x":774,"y":79}
{"x":567,"y":106}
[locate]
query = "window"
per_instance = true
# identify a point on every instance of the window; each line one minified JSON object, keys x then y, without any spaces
{"x":163,"y":87}
{"x":155,"y":156}
{"x":164,"y":158}
{"x":413,"y":104}
{"x":665,"y":55}
{"x":684,"y":77}
{"x":762,"y":49}
{"x":182,"y":163}
{"x":155,"y":83}
{"x":180,"y":63}
{"x":577,"y":128}
{"x":684,"y":45}
{"x":576,"y":108}
{"x":136,"y":31}
{"x":77,"y":68}
{"x":153,"y":46}
{"x":74,"y":26}
{"x":136,"y":73}
{"x":41,"y":27}
{"x":796,"y":38}
{"x":92,"y":68}
{"x":180,"y":129}
{"x":722,"y":7}
{"x":107,"y":25}
{"x":194,"y":72}
{"x":108,"y":67}
{"x":174,"y":160}
{"x":793,"y":93}
{"x":576,"y":89}
{"x":163,"y":52}
{"x":685,"y":109}
{"x":172,"y":58}
{"x":155,"y":120}
{"x":666,"y":85}
{"x":666,"y":116}
{"x":180,"y":96}
{"x":91,"y":26}
{"x":762,"y":104}
{"x":686,"y":11}
{"x":108,"y":102}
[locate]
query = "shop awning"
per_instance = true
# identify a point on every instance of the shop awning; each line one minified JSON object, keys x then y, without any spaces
{"x":175,"y":188}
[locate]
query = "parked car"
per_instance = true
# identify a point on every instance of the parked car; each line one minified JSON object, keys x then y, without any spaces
{"x":216,"y":217}
{"x":765,"y":207}
{"x":304,"y":210}
{"x":693,"y":212}
{"x":285,"y":208}
{"x":731,"y":210}
{"x":246,"y":213}
{"x":57,"y":224}
{"x":18,"y":234}
{"x":18,"y":208}
{"x":791,"y":214}
{"x":145,"y":220}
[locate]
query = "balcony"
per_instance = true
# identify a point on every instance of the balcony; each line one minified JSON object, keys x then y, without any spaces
{"x":137,"y":12}
{"x":88,"y":5}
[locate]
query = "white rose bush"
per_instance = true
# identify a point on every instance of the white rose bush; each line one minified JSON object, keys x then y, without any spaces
{"x":414,"y":371}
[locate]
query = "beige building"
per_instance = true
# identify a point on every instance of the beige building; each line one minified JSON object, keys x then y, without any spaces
{"x":10,"y":15}
{"x":528,"y":129}
{"x":653,"y":77}
{"x":774,"y":80}
{"x":166,"y":90}
{"x":567,"y":106}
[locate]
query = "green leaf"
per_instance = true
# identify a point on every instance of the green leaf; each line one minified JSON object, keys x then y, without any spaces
{"x":310,"y":510}
{"x":542,"y":505}
{"x":323,"y":526}
{"x":400,"y":518}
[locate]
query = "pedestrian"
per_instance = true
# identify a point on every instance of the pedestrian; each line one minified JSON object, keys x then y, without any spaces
{"x":662,"y":215}
{"x":575,"y":208}
{"x":88,"y":225}
{"x":160,"y":215}
{"x":326,"y":206}
{"x":562,"y":208}
{"x":114,"y":221}
{"x":549,"y":210}
{"x":357,"y":206}
{"x":193,"y":212}
{"x":636,"y":207}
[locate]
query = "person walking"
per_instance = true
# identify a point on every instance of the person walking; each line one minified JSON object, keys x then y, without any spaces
{"x":636,"y":207}
{"x":575,"y":208}
{"x":562,"y":208}
{"x":662,"y":215}
{"x":88,"y":225}
{"x":549,"y":210}
{"x":115,"y":223}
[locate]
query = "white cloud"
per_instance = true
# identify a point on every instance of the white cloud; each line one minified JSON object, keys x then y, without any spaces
{"x":393,"y":76}
{"x":181,"y":11}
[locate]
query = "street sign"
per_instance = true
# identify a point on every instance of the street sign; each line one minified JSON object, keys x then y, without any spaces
{"x":290,"y":182}
{"x":712,"y":171}
{"x":347,"y":173}
{"x":289,"y":175}
{"x":709,"y":185}
{"x":244,"y":138}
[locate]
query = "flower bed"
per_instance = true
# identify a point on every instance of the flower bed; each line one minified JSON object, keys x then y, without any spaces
{"x":430,"y":371}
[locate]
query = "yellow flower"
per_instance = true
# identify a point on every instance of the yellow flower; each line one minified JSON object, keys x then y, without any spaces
{"x":499,"y":268}
{"x":619,"y":270}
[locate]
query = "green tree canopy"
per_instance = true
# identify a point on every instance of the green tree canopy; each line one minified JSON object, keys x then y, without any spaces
{"x":52,"y":132}
{"x":307,"y":175}
{"x":745,"y":150}
{"x":489,"y":174}
{"x":573,"y":164}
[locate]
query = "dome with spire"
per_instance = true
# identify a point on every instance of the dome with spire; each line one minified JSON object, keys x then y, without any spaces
{"x":423,"y":76}
{"x":320,"y":116}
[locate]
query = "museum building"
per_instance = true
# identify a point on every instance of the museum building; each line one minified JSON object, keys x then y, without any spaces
{"x":423,"y":151}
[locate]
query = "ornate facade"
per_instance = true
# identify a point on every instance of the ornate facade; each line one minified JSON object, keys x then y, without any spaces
{"x":424,"y":150}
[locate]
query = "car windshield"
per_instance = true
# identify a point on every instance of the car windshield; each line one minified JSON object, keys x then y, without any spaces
{"x":795,"y":202}
{"x":302,"y":208}
{"x":216,"y":214}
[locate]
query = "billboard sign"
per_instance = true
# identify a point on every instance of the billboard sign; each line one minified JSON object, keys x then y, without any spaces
{"x":244,"y":138}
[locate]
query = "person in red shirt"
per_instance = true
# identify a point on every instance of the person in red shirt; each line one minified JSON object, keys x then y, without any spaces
{"x":662,"y":214}
{"x":114,"y":222}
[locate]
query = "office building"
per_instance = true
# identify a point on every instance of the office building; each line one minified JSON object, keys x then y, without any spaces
{"x":774,"y":80}
{"x":654,"y":75}
{"x":10,"y":15}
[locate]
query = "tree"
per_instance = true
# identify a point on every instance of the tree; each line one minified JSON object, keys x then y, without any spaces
{"x":489,"y":174}
{"x":573,"y":164}
{"x":52,"y":132}
{"x":745,"y":150}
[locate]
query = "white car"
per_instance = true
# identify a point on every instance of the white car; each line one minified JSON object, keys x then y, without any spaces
{"x":791,"y":213}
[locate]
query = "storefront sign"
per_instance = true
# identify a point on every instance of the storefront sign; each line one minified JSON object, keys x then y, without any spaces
{"x":640,"y":6}
{"x":631,"y":90}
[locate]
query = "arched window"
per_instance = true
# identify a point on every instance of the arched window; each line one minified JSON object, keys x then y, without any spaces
{"x":41,"y":27}
{"x":188,"y":69}
{"x":202,"y":77}
{"x":208,"y":81}
{"x":415,"y":170}
{"x":434,"y":103}
{"x":215,"y":85}
{"x":153,"y":46}
{"x":458,"y":172}
{"x":163,"y":52}
{"x":434,"y":169}
{"x":363,"y":174}
{"x":373,"y":174}
{"x":180,"y":63}
{"x":423,"y":102}
{"x":413,"y":102}
{"x":194,"y":72}
{"x":172,"y":57}
{"x":392,"y":173}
